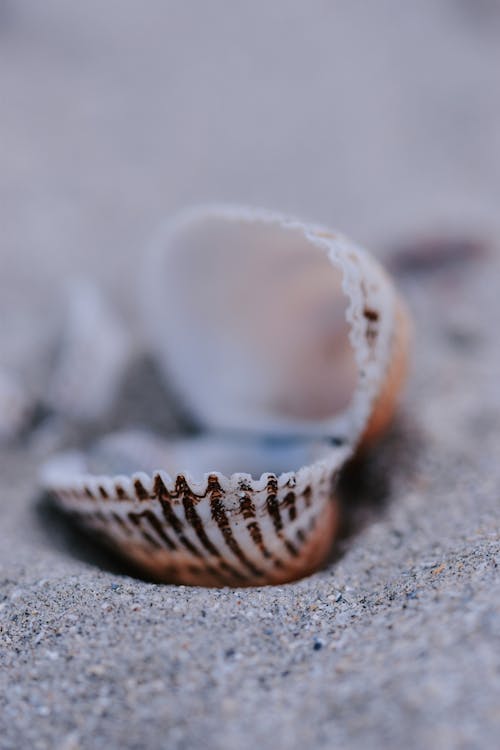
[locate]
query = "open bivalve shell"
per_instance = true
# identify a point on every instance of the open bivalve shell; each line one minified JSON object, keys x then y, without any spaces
{"x":288,"y":344}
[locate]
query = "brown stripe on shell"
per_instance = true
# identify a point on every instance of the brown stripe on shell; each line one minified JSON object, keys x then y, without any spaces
{"x":301,"y":537}
{"x":232,"y":572}
{"x":289,"y":503}
{"x":386,"y":401}
{"x":120,"y":492}
{"x":371,"y":315}
{"x":121,"y":522}
{"x":136,"y":519}
{"x":247,"y":509}
{"x":210,"y":569}
{"x":195,"y":521}
{"x":158,"y":527}
{"x":291,"y":547}
{"x":192,"y":517}
{"x":273,"y":508}
{"x":100,"y":517}
{"x":175,"y":523}
{"x":372,"y":318}
{"x":272,"y":504}
{"x":180,"y":547}
{"x":140,"y":490}
{"x":307,"y":493}
{"x":219,"y":515}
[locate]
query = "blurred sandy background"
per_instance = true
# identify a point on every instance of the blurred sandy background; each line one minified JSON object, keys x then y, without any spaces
{"x":379,"y":118}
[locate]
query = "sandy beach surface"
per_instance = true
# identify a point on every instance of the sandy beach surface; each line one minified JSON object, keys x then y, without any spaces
{"x":381,"y":119}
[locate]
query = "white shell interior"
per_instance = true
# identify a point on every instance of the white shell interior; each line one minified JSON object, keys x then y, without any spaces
{"x":275,"y":335}
{"x":129,"y":452}
{"x":116,"y":461}
{"x":258,"y":324}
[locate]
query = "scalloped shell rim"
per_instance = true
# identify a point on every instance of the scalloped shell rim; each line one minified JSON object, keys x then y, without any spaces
{"x":54,"y":478}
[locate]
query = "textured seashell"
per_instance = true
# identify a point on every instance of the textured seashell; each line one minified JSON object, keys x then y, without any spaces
{"x":287,"y":343}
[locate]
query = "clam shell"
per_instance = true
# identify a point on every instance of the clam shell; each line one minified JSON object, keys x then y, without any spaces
{"x":223,"y":530}
{"x":288,"y":343}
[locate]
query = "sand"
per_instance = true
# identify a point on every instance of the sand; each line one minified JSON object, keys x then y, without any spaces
{"x":382,"y":121}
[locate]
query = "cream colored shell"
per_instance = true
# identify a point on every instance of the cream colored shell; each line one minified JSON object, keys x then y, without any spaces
{"x":282,"y":307}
